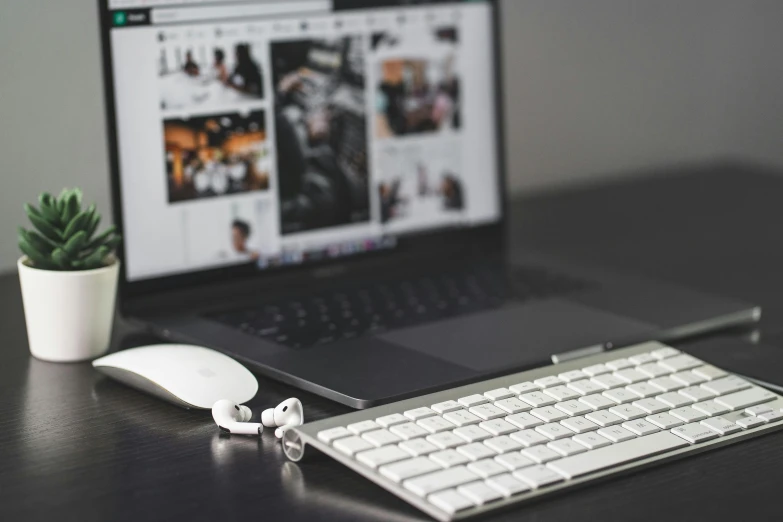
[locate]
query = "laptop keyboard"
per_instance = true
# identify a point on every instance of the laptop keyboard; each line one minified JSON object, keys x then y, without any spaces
{"x":328,"y":317}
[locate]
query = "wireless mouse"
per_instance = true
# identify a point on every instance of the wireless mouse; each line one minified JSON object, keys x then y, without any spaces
{"x":188,"y":376}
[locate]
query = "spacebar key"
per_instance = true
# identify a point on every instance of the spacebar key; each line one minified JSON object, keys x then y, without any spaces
{"x":617,"y":454}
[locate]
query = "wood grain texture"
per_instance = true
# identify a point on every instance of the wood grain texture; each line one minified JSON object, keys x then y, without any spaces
{"x":77,"y":446}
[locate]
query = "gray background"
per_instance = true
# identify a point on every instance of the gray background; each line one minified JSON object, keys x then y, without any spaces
{"x":594,"y":89}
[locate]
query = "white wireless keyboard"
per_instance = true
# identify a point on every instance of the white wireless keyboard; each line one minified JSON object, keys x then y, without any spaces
{"x":490,"y":445}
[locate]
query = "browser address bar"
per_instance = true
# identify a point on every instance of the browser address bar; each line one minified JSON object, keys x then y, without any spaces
{"x":198,"y":14}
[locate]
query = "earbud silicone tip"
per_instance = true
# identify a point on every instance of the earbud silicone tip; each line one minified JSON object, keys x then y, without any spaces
{"x":268,"y":418}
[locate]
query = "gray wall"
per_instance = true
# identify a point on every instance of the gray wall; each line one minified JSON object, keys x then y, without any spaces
{"x":594,"y":88}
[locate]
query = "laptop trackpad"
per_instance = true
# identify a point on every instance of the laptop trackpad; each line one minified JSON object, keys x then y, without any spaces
{"x":519,"y":335}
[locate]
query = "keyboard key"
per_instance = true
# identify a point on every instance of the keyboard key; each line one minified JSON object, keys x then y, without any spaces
{"x":486,"y":468}
{"x":710,"y":408}
{"x":709,"y":372}
{"x":620,"y":395}
{"x":524,"y":387}
{"x":694,"y":433}
{"x":750,"y":422}
{"x":524,"y":420}
{"x":771,"y":416}
{"x":473,"y":400}
{"x":617,"y":454}
{"x":488,"y":411}
{"x":406,"y":469}
{"x":627,"y":412}
{"x":507,"y":485}
{"x":446,"y":440}
{"x":562,"y":393}
{"x":439,"y":480}
{"x":640,"y":427}
{"x":333,"y":434}
{"x":630,"y":376}
{"x":380,"y":456}
{"x":651,"y":406}
{"x":597,"y":402}
{"x":472,"y":433}
{"x":408,"y":431}
{"x":537,"y":399}
{"x":665,"y":353}
{"x":596,"y":369}
{"x":546,"y":382}
{"x":643,"y":389}
{"x":674,"y":399}
{"x":549,"y":414}
{"x":479,"y":492}
{"x":696,"y":393}
{"x":419,"y":413}
{"x":664,"y":421}
{"x":616,"y":433}
{"x":585,"y":387}
{"x":513,"y":460}
{"x":619,"y":364}
{"x":512,"y":405}
{"x":461,"y":418}
{"x":642,"y":358}
{"x":380,"y":438}
{"x":503,"y":444}
{"x":573,"y":375}
{"x":498,"y":427}
{"x":449,"y":458}
{"x":721,"y":426}
{"x":538,"y":476}
{"x":687,"y":414}
{"x":499,"y":393}
{"x":743,"y":399}
{"x":653,"y":370}
{"x":540,"y":454}
{"x":446,"y":406}
{"x":681,"y":362}
{"x":566,"y":447}
{"x":603,"y":418}
{"x":358,"y":428}
{"x":688,"y":378}
{"x":450,"y":501}
{"x":666,"y":384}
{"x":573,"y":408}
{"x":758,"y":410}
{"x":391,"y":420}
{"x":579,"y":424}
{"x":528,"y":438}
{"x":418,"y":447}
{"x":435,"y":424}
{"x":726,"y":385}
{"x":554,"y":431}
{"x":608,"y":381}
{"x":592,"y":441}
{"x":352,"y":445}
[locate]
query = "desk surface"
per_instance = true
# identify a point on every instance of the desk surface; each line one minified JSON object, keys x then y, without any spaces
{"x":76,"y":446}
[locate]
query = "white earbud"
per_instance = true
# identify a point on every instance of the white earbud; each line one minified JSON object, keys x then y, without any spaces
{"x":232,"y":418}
{"x":287,"y":415}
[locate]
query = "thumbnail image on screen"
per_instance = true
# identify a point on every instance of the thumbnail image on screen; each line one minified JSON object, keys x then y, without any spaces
{"x":208,"y":73}
{"x":320,"y":121}
{"x":217,"y":155}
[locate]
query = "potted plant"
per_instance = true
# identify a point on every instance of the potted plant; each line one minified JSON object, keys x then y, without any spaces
{"x":68,"y":276}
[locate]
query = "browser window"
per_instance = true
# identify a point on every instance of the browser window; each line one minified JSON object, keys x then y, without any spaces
{"x":269,"y":133}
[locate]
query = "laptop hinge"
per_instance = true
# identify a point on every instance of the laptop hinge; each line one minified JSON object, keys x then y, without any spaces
{"x":558,"y":358}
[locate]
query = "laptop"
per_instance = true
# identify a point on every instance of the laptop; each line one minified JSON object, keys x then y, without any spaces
{"x":316,"y":188}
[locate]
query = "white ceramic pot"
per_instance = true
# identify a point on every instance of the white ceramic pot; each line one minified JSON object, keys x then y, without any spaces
{"x":69,"y":315}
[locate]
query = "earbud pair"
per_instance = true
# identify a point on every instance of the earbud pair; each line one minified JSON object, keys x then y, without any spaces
{"x":232,"y":418}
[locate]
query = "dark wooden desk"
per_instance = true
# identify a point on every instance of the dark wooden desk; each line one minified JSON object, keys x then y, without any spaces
{"x":76,"y":446}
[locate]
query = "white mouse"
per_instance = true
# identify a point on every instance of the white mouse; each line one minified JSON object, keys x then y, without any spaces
{"x":188,"y":376}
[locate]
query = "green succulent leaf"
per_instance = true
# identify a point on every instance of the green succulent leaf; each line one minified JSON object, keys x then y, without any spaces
{"x":75,"y":244}
{"x":103,"y":237}
{"x":37,"y":257}
{"x":95,"y":220}
{"x":61,"y":258}
{"x":36,"y":240}
{"x":97,"y":259}
{"x":71,"y":208}
{"x":42,"y":224}
{"x":75,"y":225}
{"x":48,"y":209}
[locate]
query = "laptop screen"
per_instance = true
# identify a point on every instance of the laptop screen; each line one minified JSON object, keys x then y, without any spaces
{"x":277,"y":132}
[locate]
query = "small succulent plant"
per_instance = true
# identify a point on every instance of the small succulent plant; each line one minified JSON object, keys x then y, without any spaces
{"x":64,"y":237}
